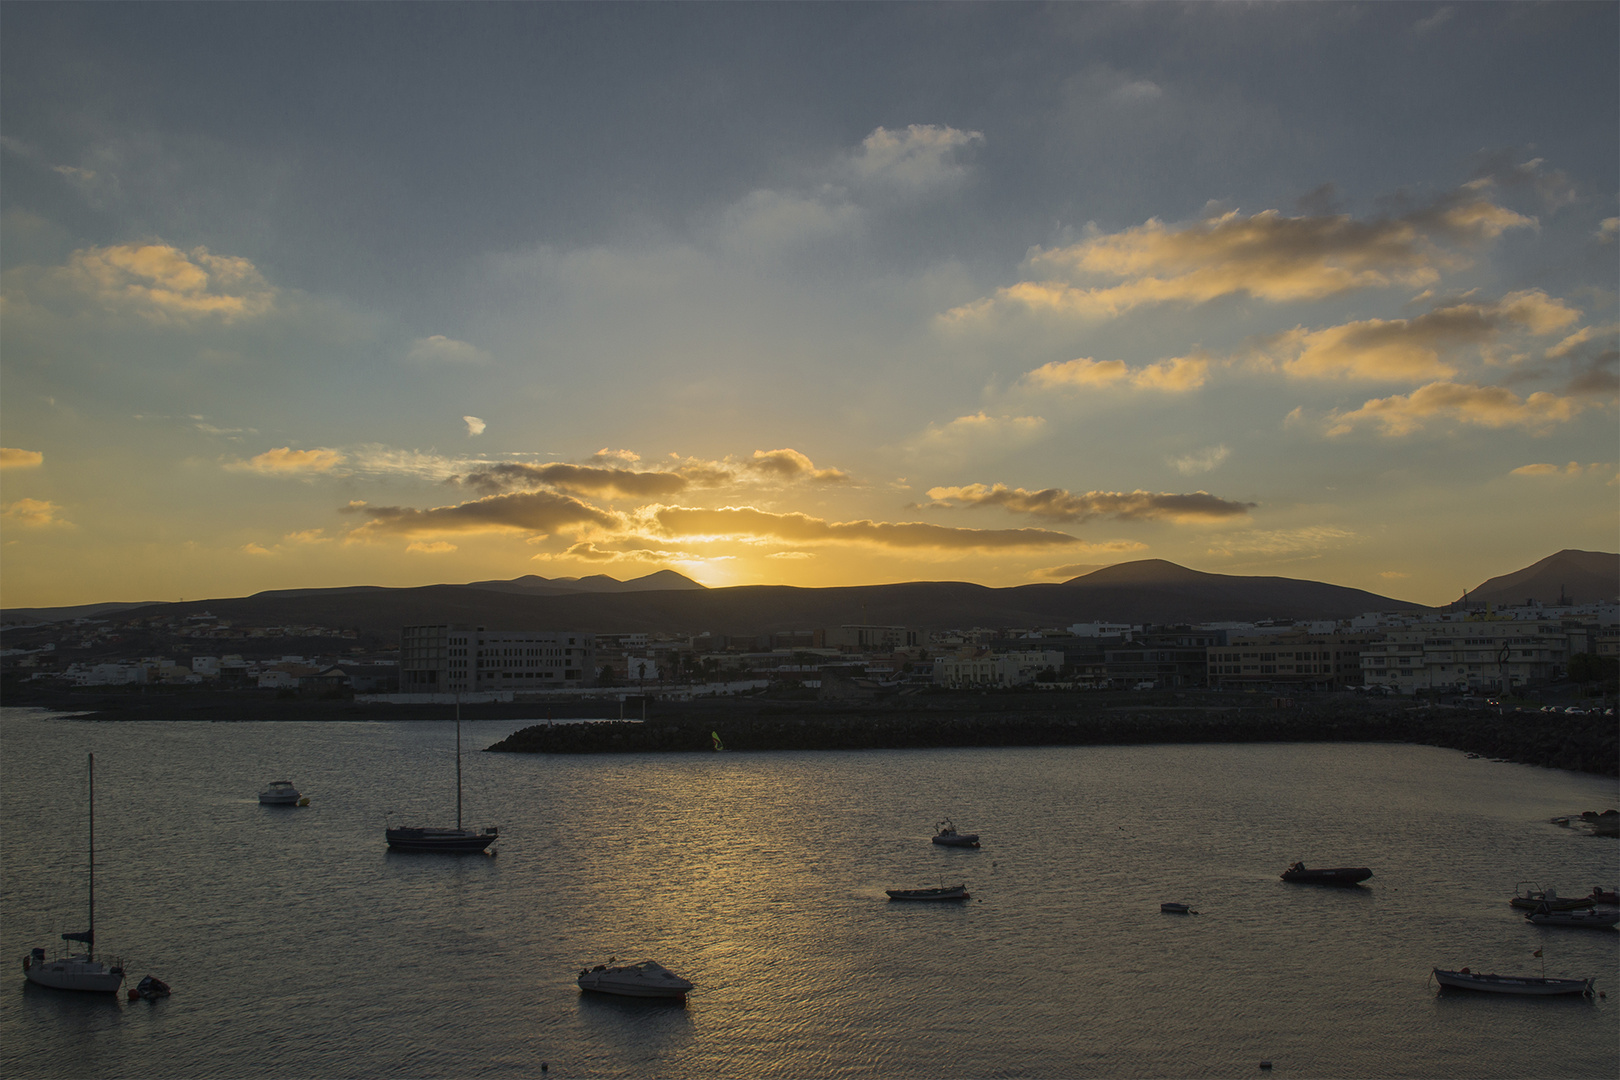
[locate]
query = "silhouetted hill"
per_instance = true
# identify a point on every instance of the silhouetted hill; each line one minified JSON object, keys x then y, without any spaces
{"x":1577,"y":576}
{"x":595,"y":583}
{"x":1152,"y":591}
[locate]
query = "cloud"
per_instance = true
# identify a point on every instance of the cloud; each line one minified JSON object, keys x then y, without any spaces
{"x":1393,"y":575}
{"x":1266,"y":256}
{"x":1200,"y":461}
{"x":792,"y":465}
{"x":1412,"y":349}
{"x":257,"y":550}
{"x":439,"y":349}
{"x":590,"y":552}
{"x":308,"y":536}
{"x":1137,"y":90}
{"x":34,"y":514}
{"x":537,"y":513}
{"x":1607,"y":230}
{"x":1277,"y":542}
{"x":285,"y":461}
{"x":430,"y":547}
{"x":1175,"y":375}
{"x":581,"y":479}
{"x":1485,"y":406}
{"x":919,"y":157}
{"x":977,"y":431}
{"x":1430,"y":23}
{"x":13,"y":458}
{"x":1573,"y":469}
{"x":1059,"y":505}
{"x":164,"y":284}
{"x":1608,"y":336}
{"x":740,"y":523}
{"x":475,"y":426}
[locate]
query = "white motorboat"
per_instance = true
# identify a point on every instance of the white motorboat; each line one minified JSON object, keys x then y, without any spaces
{"x":79,"y":971}
{"x":1597,"y":919}
{"x":1511,"y":984}
{"x":643,"y":979}
{"x":279,"y":793}
{"x":945,"y":833}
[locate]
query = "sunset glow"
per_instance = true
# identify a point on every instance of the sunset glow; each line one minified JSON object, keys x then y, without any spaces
{"x":445,"y":293}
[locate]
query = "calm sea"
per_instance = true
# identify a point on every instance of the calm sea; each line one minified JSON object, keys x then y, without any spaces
{"x":298,"y":946}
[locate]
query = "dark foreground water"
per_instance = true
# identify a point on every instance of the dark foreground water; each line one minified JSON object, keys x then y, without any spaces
{"x":298,"y":946}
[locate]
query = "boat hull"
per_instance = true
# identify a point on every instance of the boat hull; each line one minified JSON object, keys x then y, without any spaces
{"x":647,"y":979}
{"x":957,"y":840}
{"x":1593,"y":920}
{"x":1525,"y":985}
{"x":75,"y":973}
{"x":958,"y":892}
{"x":443,"y":841}
{"x":1339,"y":875}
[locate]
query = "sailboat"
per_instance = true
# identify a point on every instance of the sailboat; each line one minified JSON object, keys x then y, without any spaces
{"x":453,"y":841}
{"x":79,"y":971}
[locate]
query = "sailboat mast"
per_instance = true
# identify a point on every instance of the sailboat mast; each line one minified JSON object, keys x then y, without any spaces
{"x":91,"y":944}
{"x":458,"y":764}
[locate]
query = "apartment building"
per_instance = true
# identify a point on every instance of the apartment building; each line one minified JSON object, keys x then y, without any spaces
{"x":1482,"y":654}
{"x":1274,"y":661}
{"x":451,"y":658}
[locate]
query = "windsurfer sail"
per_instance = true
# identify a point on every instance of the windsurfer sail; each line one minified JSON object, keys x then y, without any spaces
{"x":718,"y":745}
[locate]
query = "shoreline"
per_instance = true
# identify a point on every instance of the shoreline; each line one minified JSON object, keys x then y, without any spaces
{"x":1588,"y":744}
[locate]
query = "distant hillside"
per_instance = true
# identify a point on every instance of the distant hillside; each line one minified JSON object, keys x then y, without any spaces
{"x":30,"y":616}
{"x":1577,"y":576}
{"x":1151,"y":591}
{"x":596,"y":583}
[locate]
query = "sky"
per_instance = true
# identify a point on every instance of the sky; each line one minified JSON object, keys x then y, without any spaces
{"x":307,"y":295}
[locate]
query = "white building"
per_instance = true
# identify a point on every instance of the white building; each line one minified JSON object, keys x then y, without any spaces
{"x":1483,"y":654}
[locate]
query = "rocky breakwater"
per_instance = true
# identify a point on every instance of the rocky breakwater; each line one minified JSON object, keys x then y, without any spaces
{"x":1526,"y":738}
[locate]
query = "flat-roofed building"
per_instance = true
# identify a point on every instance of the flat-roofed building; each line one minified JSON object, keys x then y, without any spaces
{"x":1269,"y":660}
{"x":451,"y":658}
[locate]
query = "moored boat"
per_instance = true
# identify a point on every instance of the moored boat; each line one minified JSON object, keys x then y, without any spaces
{"x":446,"y":841}
{"x":1174,"y":908}
{"x":644,"y":979}
{"x":1511,"y":984}
{"x":1531,"y":897}
{"x":945,"y":833}
{"x":944,"y":892}
{"x":1337,"y":875}
{"x":1588,"y":917}
{"x":79,"y":971}
{"x":279,"y":793}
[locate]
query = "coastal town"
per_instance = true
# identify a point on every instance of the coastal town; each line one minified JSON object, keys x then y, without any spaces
{"x":1566,"y":653}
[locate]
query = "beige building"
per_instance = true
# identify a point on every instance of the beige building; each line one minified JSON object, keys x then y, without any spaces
{"x":1319,"y":661}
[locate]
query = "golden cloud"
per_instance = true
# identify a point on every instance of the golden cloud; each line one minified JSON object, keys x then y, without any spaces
{"x":164,"y":284}
{"x":603,"y":479}
{"x":285,"y":461}
{"x":590,"y":552}
{"x":1486,"y":406}
{"x":1175,"y":375}
{"x":1265,"y":255}
{"x":534,"y":512}
{"x":34,"y":514}
{"x":1278,"y":542}
{"x":745,"y":523}
{"x":430,"y":547}
{"x":792,"y":465}
{"x":1060,"y":505}
{"x":1574,"y":468}
{"x":1375,"y":349}
{"x":12,"y":458}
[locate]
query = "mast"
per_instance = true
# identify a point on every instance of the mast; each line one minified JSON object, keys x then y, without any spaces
{"x":91,"y":944}
{"x":458,"y":763}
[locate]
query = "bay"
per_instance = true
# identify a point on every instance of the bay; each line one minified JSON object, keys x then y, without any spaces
{"x":297,"y":943}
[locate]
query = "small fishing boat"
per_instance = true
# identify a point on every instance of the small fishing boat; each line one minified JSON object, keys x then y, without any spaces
{"x":1588,"y":917}
{"x":945,"y":833}
{"x":1338,"y":875}
{"x":643,"y":979}
{"x":1511,"y":984}
{"x":279,"y":793}
{"x":1173,"y":908}
{"x":944,"y":892}
{"x":1530,"y":897}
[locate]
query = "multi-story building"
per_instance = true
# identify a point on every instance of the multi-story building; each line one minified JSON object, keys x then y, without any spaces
{"x":455,"y":659}
{"x":1483,"y":654}
{"x":1275,"y":661}
{"x":884,"y":639}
